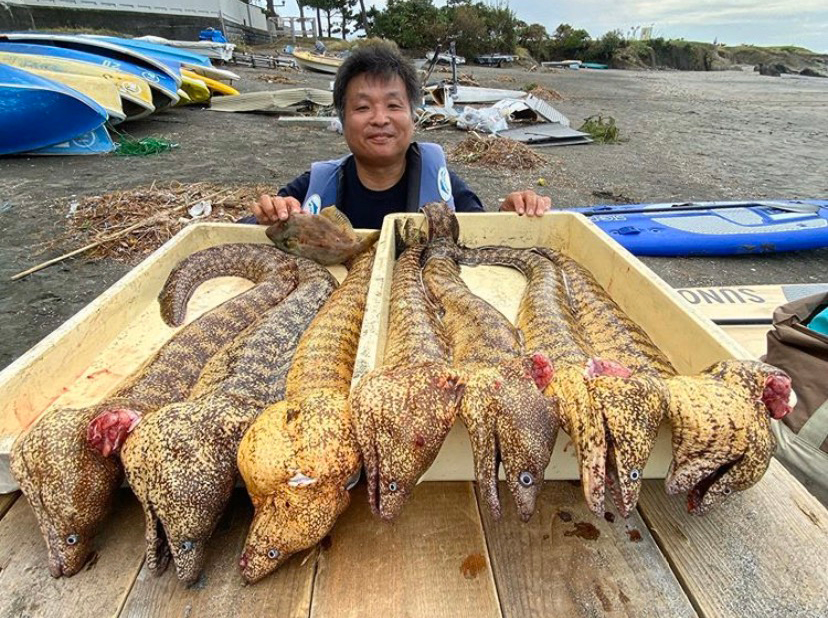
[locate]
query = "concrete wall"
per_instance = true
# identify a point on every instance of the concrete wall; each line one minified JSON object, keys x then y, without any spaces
{"x":180,"y":19}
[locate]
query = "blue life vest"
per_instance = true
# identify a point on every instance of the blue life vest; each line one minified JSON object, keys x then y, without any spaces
{"x":428,"y":180}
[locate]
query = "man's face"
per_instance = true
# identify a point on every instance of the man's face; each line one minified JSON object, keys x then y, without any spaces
{"x":378,"y":125}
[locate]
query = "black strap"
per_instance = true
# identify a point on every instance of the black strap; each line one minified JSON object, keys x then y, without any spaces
{"x":414,"y":166}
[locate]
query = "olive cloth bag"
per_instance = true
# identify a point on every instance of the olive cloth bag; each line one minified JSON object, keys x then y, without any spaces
{"x":803,"y":354}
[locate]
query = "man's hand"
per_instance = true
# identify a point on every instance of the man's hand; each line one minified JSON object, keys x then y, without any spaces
{"x":526,"y":203}
{"x":272,"y":208}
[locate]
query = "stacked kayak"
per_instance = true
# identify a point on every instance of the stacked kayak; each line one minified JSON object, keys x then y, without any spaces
{"x":47,"y":79}
{"x":38,"y":113}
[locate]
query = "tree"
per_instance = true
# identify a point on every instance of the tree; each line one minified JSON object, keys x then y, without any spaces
{"x":404,"y":21}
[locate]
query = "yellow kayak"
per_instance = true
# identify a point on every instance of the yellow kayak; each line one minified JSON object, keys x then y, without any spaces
{"x":135,"y":92}
{"x":315,"y":62}
{"x":215,"y":86}
{"x":103,"y":92}
{"x":196,"y":90}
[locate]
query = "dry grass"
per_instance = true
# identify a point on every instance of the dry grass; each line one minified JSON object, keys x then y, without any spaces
{"x":276,"y":78}
{"x":496,"y":152}
{"x":159,"y":212}
{"x":548,"y":95}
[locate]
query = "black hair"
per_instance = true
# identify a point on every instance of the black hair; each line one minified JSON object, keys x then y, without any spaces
{"x":381,"y":60}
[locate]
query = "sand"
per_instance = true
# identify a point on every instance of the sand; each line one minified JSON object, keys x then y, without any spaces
{"x":692,"y":136}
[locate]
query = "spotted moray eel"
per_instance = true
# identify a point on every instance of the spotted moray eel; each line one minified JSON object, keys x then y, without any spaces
{"x":69,"y":484}
{"x":298,"y":456}
{"x":404,"y":409}
{"x":722,"y":441}
{"x":507,"y":416}
{"x":181,"y":460}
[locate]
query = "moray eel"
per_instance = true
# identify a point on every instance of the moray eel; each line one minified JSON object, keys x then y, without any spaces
{"x":404,"y":409}
{"x":299,"y":456}
{"x":507,"y":416}
{"x":326,"y":238}
{"x":69,"y":484}
{"x":176,"y":367}
{"x":722,"y":440}
{"x":626,"y":395}
{"x":181,"y":460}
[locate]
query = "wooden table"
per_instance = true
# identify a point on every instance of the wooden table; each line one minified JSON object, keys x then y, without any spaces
{"x":764,"y":553}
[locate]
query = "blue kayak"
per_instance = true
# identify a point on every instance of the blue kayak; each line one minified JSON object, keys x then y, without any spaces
{"x":174,"y":54}
{"x":714,"y":228}
{"x":153,"y":69}
{"x":160,"y":82}
{"x":37,"y":112}
{"x":94,"y":142}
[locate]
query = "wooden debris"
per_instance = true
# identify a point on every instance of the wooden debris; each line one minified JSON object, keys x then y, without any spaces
{"x":127,"y":225}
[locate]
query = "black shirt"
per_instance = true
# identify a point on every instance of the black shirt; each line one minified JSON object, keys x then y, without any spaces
{"x":366,"y":208}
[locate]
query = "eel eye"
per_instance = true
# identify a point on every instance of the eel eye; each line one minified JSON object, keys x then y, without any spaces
{"x":187,"y":545}
{"x":392,"y":486}
{"x":72,"y":539}
{"x":727,"y":491}
{"x":635,"y":474}
{"x":273,"y":554}
{"x":526,"y":479}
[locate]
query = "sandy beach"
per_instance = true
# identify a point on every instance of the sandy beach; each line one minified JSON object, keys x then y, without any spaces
{"x":691,"y":136}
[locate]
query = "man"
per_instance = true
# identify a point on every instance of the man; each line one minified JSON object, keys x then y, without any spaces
{"x":375,"y":94}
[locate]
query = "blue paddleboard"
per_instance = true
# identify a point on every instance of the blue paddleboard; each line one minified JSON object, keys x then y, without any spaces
{"x":37,"y":112}
{"x":714,"y":228}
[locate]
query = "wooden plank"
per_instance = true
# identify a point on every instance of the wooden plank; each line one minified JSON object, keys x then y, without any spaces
{"x":745,"y":301}
{"x":762,"y":554}
{"x":221,"y":591}
{"x":98,"y":590}
{"x":432,"y":561}
{"x":6,"y":501}
{"x":754,"y":339}
{"x":568,"y":562}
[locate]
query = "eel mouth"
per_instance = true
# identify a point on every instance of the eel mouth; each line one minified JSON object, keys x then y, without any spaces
{"x":696,"y":496}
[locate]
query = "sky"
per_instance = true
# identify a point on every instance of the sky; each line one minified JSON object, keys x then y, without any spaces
{"x":758,"y":22}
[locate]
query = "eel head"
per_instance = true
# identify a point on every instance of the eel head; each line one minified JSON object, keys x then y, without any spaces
{"x":632,"y":409}
{"x":69,"y":485}
{"x":289,"y":520}
{"x":511,"y":421}
{"x":402,"y":416}
{"x":722,"y":440}
{"x":183,"y":478}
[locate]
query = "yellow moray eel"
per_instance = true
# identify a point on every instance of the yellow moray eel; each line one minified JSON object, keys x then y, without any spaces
{"x":181,"y":460}
{"x":299,"y":454}
{"x":722,"y":440}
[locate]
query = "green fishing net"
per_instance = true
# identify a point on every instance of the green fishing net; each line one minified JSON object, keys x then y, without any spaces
{"x":129,"y":146}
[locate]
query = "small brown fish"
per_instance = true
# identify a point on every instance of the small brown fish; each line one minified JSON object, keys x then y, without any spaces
{"x":327,"y":238}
